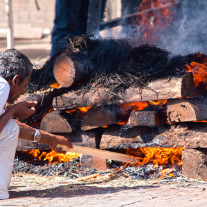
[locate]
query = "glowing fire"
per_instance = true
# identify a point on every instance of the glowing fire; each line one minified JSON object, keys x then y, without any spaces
{"x":50,"y":157}
{"x":154,"y":16}
{"x":199,"y":75}
{"x":157,"y":156}
{"x":82,"y":109}
{"x":55,"y":85}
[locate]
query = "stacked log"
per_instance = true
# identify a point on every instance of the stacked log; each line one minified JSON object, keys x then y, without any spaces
{"x":145,"y":127}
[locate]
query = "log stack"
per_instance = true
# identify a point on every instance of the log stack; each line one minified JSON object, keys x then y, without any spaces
{"x":165,"y":112}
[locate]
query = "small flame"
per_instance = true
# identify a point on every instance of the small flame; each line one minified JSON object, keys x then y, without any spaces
{"x":157,"y":156}
{"x":137,"y":106}
{"x":82,"y":109}
{"x":159,"y":102}
{"x":55,"y":85}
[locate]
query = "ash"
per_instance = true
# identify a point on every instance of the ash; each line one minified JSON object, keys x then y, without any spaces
{"x":149,"y":172}
{"x":73,"y":169}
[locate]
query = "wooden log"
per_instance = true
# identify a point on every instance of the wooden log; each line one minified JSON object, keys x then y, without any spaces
{"x":147,"y":118}
{"x":194,"y":163}
{"x":183,"y":110}
{"x":70,"y":70}
{"x":44,"y":99}
{"x":105,"y":115}
{"x":186,"y":135}
{"x":160,"y":89}
{"x":61,"y":122}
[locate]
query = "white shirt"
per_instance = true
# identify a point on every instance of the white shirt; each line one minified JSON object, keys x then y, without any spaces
{"x":4,"y":94}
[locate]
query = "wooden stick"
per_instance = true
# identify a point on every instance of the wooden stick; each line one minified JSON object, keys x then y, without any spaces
{"x":100,"y":153}
{"x":87,"y":177}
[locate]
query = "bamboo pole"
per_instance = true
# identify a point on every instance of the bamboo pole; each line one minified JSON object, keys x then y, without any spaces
{"x":10,"y":35}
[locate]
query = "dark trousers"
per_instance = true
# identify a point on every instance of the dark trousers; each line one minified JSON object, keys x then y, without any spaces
{"x":70,"y":20}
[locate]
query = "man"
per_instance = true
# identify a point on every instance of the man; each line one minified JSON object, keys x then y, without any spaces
{"x":15,"y":72}
{"x":70,"y":21}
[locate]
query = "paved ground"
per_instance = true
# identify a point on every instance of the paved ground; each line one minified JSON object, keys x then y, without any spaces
{"x":34,"y":191}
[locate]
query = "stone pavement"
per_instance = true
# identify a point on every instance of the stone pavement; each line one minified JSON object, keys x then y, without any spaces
{"x":35,"y":191}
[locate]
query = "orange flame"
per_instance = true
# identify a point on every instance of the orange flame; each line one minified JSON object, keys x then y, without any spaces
{"x":137,"y":106}
{"x":51,"y":157}
{"x":199,"y":75}
{"x":55,"y":85}
{"x":157,"y":156}
{"x":82,"y":109}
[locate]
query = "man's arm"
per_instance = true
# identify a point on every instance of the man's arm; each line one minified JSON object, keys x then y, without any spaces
{"x":21,"y":110}
{"x":27,"y":133}
{"x":5,"y":117}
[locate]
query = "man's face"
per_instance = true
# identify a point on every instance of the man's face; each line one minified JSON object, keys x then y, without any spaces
{"x":17,"y":88}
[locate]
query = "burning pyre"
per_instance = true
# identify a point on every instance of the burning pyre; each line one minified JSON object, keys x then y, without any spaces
{"x":150,"y":164}
{"x":115,"y":65}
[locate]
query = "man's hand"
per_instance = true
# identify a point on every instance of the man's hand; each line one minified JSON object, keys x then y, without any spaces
{"x":23,"y":109}
{"x":59,"y":140}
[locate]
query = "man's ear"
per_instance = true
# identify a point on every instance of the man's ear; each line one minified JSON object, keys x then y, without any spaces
{"x":16,"y":80}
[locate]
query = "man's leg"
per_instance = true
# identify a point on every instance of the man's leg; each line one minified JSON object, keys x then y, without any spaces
{"x":70,"y":21}
{"x":8,"y":144}
{"x":65,"y":24}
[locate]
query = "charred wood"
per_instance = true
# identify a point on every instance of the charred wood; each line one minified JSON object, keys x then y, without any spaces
{"x":147,"y":118}
{"x":160,"y":89}
{"x":99,"y":116}
{"x":44,"y":99}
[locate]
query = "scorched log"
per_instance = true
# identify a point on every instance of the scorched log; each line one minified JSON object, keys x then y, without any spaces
{"x":186,"y":135}
{"x":70,"y":70}
{"x":184,"y":110}
{"x":99,"y":116}
{"x":147,"y":118}
{"x":175,"y":87}
{"x":44,"y":99}
{"x":61,"y":122}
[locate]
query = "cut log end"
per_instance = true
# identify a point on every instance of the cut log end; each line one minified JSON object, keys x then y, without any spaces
{"x":54,"y":123}
{"x":64,"y":71}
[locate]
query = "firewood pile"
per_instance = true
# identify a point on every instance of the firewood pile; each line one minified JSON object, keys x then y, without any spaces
{"x":107,"y":94}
